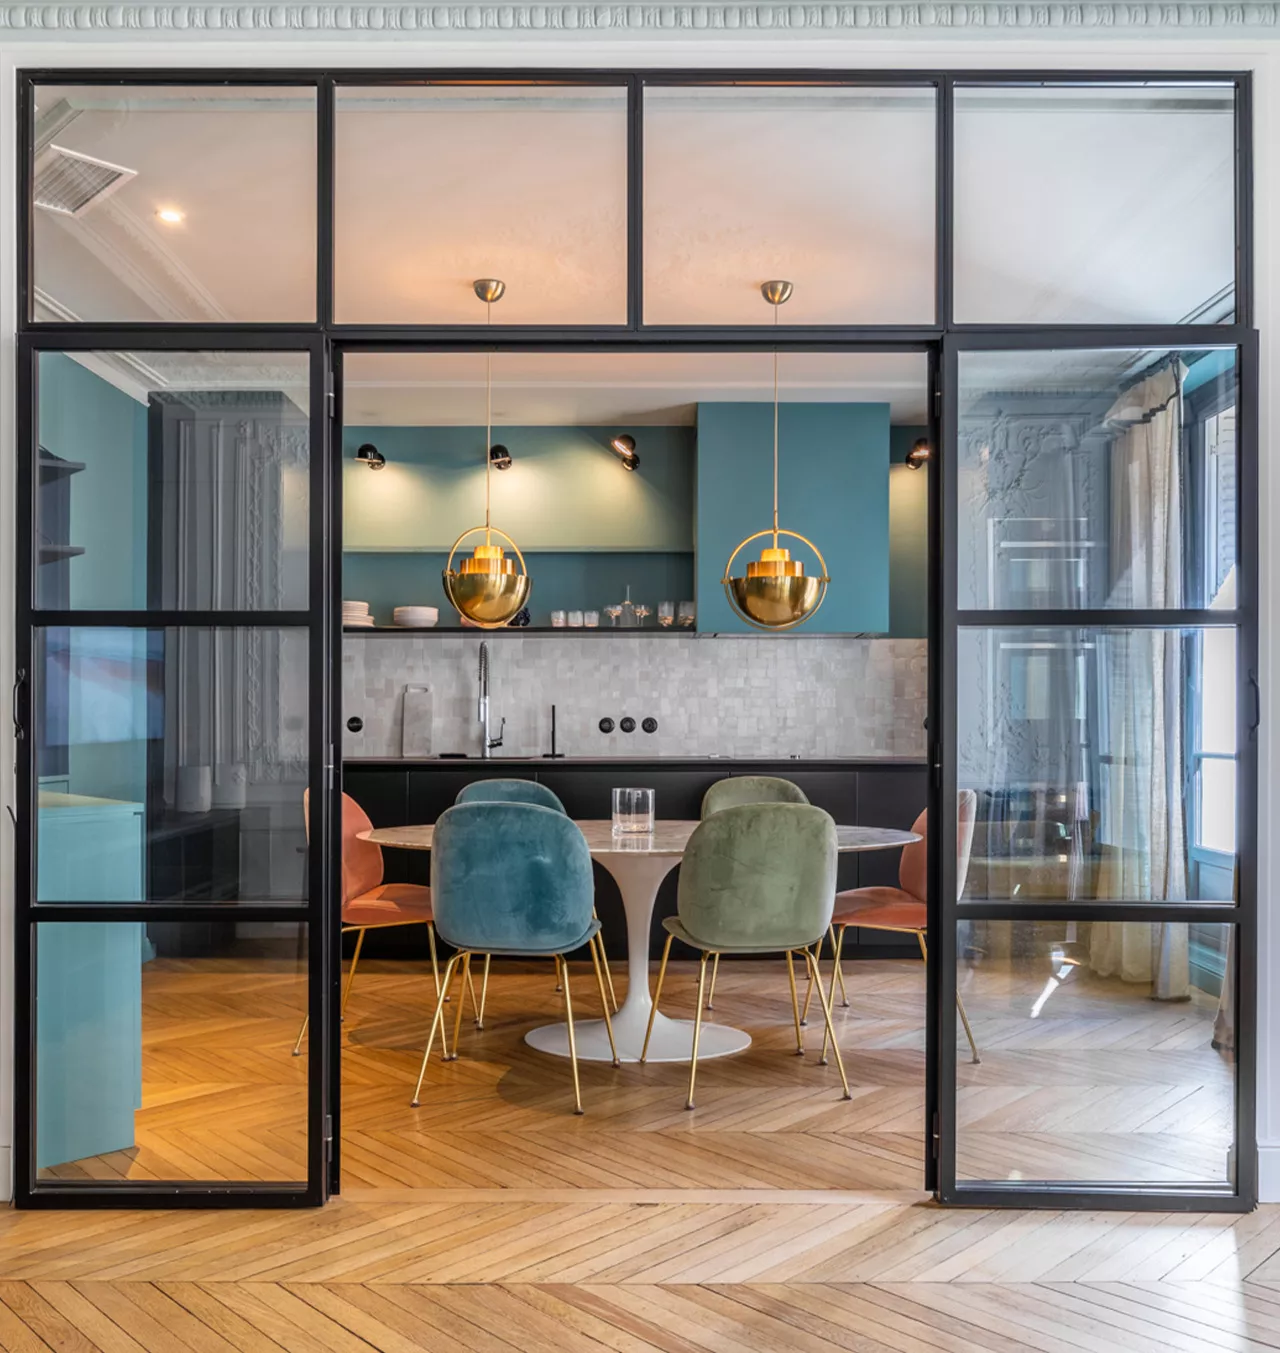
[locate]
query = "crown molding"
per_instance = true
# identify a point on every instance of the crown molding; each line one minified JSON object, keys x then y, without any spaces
{"x":895,"y":19}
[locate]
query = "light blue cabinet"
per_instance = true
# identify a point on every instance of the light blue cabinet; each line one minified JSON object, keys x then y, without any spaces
{"x":88,"y":980}
{"x":833,"y":488}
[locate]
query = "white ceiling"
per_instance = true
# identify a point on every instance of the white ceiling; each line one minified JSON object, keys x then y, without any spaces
{"x":627,"y":389}
{"x":1069,"y":206}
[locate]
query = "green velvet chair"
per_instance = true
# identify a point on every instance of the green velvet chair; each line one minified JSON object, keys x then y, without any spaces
{"x":512,"y":879}
{"x":730,"y":793}
{"x":521,"y":791}
{"x":509,"y":791}
{"x":756,"y":879}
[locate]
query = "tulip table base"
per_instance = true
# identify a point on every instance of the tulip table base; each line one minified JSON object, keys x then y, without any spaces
{"x":638,"y":867}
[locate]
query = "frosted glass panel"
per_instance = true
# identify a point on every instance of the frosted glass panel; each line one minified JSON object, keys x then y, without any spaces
{"x":832,"y":189}
{"x":1095,"y":204}
{"x":438,"y":185}
{"x":174,"y":204}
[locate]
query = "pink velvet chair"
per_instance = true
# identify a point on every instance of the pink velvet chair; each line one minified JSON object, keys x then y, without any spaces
{"x":367,"y":902}
{"x":903,"y":908}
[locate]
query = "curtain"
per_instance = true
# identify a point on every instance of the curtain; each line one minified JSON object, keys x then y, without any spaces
{"x":1143,"y":828}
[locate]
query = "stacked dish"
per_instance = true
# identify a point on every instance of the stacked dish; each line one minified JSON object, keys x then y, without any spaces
{"x":415,"y":617}
{"x":355,"y":615}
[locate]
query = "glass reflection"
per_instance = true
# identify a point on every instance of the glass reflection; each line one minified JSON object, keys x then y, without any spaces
{"x":1097,"y":479}
{"x":1104,"y":762}
{"x":174,"y":480}
{"x":171,"y":764}
{"x":162,"y":1052}
{"x":1107,"y":1052}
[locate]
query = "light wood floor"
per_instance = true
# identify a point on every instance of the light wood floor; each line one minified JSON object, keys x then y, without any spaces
{"x":774,"y":1218}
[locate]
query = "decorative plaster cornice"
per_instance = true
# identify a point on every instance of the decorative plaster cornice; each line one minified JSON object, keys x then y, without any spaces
{"x":649,"y":18}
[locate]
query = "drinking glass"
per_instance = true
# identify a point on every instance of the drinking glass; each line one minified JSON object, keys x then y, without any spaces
{"x":687,"y":614}
{"x":575,"y":620}
{"x":558,"y":619}
{"x":632,"y":812}
{"x":643,"y":612}
{"x":613,"y":612}
{"x":666,"y":614}
{"x":591,"y":619}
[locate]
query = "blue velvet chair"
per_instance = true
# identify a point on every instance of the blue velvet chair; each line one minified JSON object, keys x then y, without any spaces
{"x":521,"y":791}
{"x":509,"y":791}
{"x":512,"y":879}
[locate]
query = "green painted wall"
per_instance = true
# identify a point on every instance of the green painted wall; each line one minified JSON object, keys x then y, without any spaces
{"x":566,"y":490}
{"x":834,"y":488}
{"x":561,"y":581}
{"x":908,"y":538}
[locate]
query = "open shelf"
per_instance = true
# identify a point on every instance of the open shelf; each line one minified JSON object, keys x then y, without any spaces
{"x":575,"y":631}
{"x":50,"y":554}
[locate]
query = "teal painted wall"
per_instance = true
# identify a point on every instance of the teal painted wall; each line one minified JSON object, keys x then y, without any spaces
{"x":561,"y":581}
{"x":85,"y":418}
{"x":1209,"y":367}
{"x":834,"y":488}
{"x":566,"y":490}
{"x":908,"y":538}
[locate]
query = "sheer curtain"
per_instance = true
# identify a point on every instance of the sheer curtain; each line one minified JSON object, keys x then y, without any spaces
{"x":1143,"y":827}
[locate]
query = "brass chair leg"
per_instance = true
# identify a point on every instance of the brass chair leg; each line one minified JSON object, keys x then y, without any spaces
{"x":484,"y":993}
{"x":457,"y":1014}
{"x":351,"y":972}
{"x":562,"y":969}
{"x":697,"y":1026}
{"x":597,"y":956}
{"x":604,"y":963}
{"x":437,"y":1020}
{"x":657,"y":996}
{"x":435,"y":962}
{"x":808,"y":991}
{"x":837,"y":943}
{"x":830,"y":1030}
{"x":302,"y":1033}
{"x":795,"y":1003}
{"x":715,"y":972}
{"x":964,"y":1017}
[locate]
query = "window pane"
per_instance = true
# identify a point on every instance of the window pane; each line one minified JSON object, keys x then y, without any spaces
{"x":177,"y":204}
{"x":830,"y":188}
{"x":1218,"y":806}
{"x":1076,"y":743}
{"x":162,"y":1051}
{"x":171,"y":765}
{"x":1078,"y":484}
{"x":172,"y":480}
{"x":1095,"y":204}
{"x":439,"y":185}
{"x":1107,"y":1052}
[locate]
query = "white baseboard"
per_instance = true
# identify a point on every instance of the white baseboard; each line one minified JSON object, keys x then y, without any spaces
{"x":1269,"y":1172}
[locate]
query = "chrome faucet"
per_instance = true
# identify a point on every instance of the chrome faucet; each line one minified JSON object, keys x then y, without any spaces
{"x":487,"y":743}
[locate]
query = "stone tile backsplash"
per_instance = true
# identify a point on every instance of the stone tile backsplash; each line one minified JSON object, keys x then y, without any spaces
{"x":712,"y":696}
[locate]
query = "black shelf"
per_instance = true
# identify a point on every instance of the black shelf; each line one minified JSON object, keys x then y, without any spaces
{"x":50,"y":554}
{"x":54,"y":467}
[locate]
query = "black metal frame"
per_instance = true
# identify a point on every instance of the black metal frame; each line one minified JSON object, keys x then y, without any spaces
{"x":328,"y":341}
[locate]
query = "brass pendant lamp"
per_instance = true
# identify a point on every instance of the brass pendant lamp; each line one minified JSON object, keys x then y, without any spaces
{"x":486,"y":589}
{"x":775,"y":594}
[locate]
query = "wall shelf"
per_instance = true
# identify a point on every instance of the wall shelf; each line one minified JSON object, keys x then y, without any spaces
{"x":573,"y":631}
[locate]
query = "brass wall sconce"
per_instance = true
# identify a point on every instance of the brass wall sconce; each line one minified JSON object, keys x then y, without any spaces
{"x":369,"y":455}
{"x":920,"y":454}
{"x":499,"y":457}
{"x":624,"y":447}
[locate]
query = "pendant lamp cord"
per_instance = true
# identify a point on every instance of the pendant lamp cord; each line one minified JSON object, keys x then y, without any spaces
{"x":488,"y":428}
{"x":775,"y":429}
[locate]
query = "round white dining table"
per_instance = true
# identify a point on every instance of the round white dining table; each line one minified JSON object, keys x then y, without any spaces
{"x":638,"y":864}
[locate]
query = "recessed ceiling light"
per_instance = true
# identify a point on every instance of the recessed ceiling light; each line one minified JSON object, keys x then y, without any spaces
{"x":171,"y":215}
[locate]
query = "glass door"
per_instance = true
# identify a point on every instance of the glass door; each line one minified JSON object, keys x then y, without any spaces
{"x":1096,"y":861}
{"x":175,"y":771}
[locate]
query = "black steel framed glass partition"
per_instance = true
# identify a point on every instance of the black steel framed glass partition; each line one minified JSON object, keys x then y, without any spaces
{"x":1092,"y":544}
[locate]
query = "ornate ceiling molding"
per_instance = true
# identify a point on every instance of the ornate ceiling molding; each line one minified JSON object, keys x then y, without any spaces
{"x":648,"y":18}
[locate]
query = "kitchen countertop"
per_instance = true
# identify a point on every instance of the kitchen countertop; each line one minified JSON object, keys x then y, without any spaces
{"x":653,"y":762}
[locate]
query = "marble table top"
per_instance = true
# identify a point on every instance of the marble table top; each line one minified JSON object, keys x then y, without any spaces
{"x":668,"y":838}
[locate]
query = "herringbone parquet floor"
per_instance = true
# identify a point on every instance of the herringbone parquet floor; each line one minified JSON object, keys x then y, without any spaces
{"x":774,"y":1218}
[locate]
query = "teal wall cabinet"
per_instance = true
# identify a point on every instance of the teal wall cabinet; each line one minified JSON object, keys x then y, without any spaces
{"x":833,"y":488}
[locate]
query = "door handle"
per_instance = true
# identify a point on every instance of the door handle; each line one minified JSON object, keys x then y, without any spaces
{"x":19,"y":682}
{"x":1256,"y":690}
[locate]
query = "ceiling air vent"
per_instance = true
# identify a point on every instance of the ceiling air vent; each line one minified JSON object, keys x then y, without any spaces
{"x":70,"y":183}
